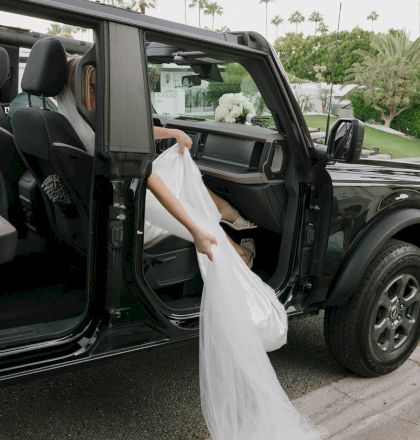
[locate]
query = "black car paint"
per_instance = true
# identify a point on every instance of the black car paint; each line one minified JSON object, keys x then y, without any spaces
{"x":362,"y":194}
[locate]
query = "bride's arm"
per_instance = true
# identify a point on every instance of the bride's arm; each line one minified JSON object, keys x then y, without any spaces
{"x":182,"y":139}
{"x":203,"y":240}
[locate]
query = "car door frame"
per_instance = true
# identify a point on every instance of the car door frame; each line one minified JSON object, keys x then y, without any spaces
{"x":115,"y":158}
{"x":114,"y":329}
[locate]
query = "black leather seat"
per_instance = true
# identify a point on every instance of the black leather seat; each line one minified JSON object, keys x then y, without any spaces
{"x":42,"y":135}
{"x":11,"y":165}
{"x":50,"y":146}
{"x":8,"y":241}
{"x":4,"y":76}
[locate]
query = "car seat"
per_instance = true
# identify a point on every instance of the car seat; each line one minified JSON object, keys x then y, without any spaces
{"x":11,"y":165}
{"x":39,"y":132}
{"x":8,"y":241}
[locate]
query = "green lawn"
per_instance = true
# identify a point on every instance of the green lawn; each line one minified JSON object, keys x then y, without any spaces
{"x":387,"y":143}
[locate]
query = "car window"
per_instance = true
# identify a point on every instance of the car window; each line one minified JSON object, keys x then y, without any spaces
{"x":200,"y":86}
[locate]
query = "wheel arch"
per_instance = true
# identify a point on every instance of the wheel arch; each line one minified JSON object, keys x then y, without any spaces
{"x":403,"y":224}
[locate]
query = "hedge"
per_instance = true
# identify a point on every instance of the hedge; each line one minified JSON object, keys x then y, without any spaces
{"x":363,"y":111}
{"x":409,"y":121}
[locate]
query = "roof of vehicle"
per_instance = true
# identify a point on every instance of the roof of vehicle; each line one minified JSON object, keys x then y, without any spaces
{"x":26,"y":38}
{"x":89,"y":9}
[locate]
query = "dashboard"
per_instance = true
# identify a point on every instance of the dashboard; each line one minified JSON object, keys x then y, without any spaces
{"x":243,"y":164}
{"x":246,"y":154}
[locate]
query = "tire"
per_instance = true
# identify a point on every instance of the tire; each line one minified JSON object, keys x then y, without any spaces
{"x":378,"y":328}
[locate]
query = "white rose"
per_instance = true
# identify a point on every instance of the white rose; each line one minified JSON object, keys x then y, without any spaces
{"x":226,"y":100}
{"x":221,"y":113}
{"x":238,"y":99}
{"x":230,"y":119}
{"x":236,"y":111}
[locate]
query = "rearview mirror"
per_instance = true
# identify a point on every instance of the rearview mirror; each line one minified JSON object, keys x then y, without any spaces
{"x":345,"y":140}
{"x":209,"y":72}
{"x":191,"y":81}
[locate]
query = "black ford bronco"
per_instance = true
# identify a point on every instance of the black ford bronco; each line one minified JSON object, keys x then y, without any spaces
{"x":77,"y":281}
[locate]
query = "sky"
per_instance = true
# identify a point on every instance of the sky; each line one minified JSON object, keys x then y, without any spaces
{"x":250,"y":15}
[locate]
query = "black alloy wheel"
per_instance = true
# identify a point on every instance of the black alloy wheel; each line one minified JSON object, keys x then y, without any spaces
{"x":378,"y":328}
{"x":397,"y":313}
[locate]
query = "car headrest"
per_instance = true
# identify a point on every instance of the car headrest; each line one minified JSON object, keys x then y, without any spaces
{"x":46,"y":68}
{"x":4,"y":66}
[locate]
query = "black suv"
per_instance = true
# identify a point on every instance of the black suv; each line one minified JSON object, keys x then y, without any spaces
{"x":78,"y":282}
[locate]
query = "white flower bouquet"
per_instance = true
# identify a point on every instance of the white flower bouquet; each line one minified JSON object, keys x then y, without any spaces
{"x":234,"y":107}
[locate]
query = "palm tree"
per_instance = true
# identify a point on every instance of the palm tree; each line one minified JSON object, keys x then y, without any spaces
{"x":277,"y":21}
{"x":64,"y":30}
{"x":201,"y":5}
{"x":223,"y":29}
{"x":120,"y":3}
{"x":54,"y":29}
{"x":316,"y":18}
{"x":390,"y":75}
{"x":322,"y":28}
{"x":296,"y":18}
{"x":142,"y":5}
{"x":373,"y":16}
{"x":80,"y":29}
{"x":266,"y":14}
{"x":212,"y":9}
{"x":397,"y":46}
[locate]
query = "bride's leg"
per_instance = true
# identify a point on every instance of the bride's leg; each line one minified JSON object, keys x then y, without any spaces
{"x":244,"y":253}
{"x":227,"y":211}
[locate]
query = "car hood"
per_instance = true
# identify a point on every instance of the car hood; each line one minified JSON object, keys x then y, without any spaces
{"x":369,"y":171}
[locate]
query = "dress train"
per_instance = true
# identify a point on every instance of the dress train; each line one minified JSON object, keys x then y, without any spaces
{"x":240,"y":320}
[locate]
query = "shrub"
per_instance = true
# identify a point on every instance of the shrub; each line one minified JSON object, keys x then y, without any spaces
{"x":216,"y":90}
{"x":363,"y":111}
{"x":408,"y":121}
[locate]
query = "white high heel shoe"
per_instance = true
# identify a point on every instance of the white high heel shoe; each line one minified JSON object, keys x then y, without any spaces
{"x":249,"y":243}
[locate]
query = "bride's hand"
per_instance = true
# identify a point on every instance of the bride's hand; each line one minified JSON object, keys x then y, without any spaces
{"x":183,"y":140}
{"x":204,"y":242}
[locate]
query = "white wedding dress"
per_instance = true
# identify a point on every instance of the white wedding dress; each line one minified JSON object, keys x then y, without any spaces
{"x":241,"y":318}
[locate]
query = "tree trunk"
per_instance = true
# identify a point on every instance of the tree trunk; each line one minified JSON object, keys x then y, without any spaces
{"x":143,"y":9}
{"x":212,"y":23}
{"x":185,"y":10}
{"x":388,"y":120}
{"x":393,"y":114}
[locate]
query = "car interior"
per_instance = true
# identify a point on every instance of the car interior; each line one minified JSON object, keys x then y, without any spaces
{"x":46,"y":183}
{"x":44,"y":173}
{"x":243,"y":164}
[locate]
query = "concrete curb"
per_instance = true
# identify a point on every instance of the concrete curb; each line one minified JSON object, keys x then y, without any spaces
{"x":356,"y":408}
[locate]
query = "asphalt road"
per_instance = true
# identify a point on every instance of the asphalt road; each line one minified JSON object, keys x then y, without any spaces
{"x":149,"y":395}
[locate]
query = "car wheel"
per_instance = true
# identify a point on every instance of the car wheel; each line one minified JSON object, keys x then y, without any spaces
{"x":378,"y":328}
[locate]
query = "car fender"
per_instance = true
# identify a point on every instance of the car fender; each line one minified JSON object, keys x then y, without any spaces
{"x":367,"y":247}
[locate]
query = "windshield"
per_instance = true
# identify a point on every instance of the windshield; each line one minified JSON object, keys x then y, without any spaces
{"x":203,"y":88}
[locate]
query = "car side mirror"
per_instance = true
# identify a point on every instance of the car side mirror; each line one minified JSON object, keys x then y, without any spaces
{"x":191,"y":81}
{"x":345,"y":140}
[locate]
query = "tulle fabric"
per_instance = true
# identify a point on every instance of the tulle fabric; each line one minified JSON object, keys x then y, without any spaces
{"x":241,"y":318}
